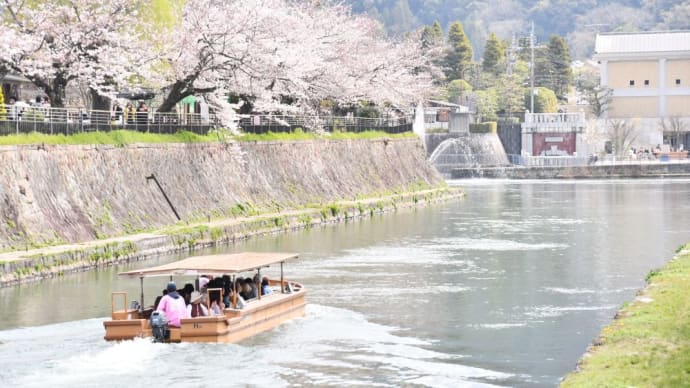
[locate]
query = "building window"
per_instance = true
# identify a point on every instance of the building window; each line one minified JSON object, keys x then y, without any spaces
{"x":646,"y":83}
{"x":677,"y":81}
{"x":632,"y":83}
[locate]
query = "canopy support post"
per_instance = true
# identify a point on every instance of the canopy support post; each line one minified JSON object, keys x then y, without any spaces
{"x":141,"y":281}
{"x":282,"y":280}
{"x":258,"y":286}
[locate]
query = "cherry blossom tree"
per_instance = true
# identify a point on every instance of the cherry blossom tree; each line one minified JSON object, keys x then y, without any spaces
{"x":52,"y":43}
{"x":278,"y":50}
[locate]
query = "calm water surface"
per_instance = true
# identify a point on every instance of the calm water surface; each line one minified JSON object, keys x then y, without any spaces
{"x":504,"y":288}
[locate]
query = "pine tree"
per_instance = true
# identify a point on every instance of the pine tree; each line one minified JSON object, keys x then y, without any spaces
{"x":459,"y":55}
{"x":494,"y":55}
{"x":561,"y":74}
{"x":432,"y":35}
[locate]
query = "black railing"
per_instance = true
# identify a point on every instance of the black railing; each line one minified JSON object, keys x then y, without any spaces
{"x":15,"y":119}
{"x":275,"y":123}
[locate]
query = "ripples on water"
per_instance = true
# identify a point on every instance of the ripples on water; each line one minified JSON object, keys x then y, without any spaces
{"x":507,"y":288}
{"x":330,"y":346}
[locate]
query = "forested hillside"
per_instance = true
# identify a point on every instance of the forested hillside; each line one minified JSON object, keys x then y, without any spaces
{"x":578,"y":21}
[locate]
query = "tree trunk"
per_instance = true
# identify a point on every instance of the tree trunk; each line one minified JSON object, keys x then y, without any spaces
{"x":177,"y":92}
{"x":99,"y":101}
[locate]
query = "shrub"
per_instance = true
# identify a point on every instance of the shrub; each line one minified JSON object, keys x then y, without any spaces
{"x":487,"y":127}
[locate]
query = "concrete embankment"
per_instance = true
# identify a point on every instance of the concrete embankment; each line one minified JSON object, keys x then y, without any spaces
{"x":64,"y":206}
{"x":648,"y":343}
{"x":640,"y":170}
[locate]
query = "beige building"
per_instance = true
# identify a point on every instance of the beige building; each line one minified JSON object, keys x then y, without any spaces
{"x":649,"y":73}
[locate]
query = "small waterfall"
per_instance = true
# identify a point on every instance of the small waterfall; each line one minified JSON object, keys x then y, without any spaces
{"x":469,"y":151}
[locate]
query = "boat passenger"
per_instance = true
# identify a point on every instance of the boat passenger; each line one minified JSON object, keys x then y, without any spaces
{"x":265,"y":287}
{"x":248,"y":289}
{"x":203,"y":281}
{"x":173,"y":306}
{"x":195,"y":308}
{"x":158,"y":299}
{"x":217,"y":305}
{"x":186,"y":292}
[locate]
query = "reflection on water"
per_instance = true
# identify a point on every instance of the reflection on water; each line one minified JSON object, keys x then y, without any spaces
{"x":506,"y":287}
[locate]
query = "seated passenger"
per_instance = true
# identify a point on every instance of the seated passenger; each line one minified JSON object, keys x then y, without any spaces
{"x":158,"y":299}
{"x":265,"y":288}
{"x":217,"y":305}
{"x":186,"y":292}
{"x":173,"y":306}
{"x":248,"y":289}
{"x":195,"y":308}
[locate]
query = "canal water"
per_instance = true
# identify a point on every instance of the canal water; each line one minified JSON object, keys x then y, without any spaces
{"x":504,"y":288}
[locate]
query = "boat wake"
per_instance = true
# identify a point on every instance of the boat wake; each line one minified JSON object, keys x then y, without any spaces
{"x":330,"y":346}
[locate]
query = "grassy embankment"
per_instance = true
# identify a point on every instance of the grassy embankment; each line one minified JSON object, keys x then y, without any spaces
{"x":124,"y":137}
{"x":648,"y":344}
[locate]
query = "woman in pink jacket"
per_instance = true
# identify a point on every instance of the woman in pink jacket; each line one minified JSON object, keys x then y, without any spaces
{"x":173,"y":306}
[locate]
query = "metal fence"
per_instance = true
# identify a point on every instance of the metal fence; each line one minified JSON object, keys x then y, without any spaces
{"x":550,"y":161}
{"x":280,"y":123}
{"x":15,"y":119}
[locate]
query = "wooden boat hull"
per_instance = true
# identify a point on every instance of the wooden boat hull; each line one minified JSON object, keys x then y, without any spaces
{"x":258,"y":316}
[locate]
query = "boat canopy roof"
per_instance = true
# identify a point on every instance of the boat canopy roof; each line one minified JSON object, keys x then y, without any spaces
{"x":214,"y":264}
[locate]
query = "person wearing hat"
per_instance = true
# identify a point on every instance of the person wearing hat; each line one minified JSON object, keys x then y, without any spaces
{"x":195,"y":308}
{"x":173,"y":306}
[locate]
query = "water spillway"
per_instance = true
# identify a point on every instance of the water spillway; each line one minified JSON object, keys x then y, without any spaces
{"x":469,"y":151}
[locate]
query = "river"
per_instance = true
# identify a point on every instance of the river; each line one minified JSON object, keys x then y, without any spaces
{"x":506,"y":287}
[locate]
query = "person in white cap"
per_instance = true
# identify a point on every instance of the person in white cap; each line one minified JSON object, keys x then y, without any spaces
{"x":195,"y":308}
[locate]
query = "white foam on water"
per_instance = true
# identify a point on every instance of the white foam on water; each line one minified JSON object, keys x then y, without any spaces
{"x":556,"y":311}
{"x":457,"y":372}
{"x":498,"y":326}
{"x":578,"y":291}
{"x":487,"y":244}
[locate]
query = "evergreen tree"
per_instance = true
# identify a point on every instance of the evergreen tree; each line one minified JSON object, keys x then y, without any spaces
{"x":510,"y":94}
{"x":432,"y":35}
{"x":457,"y":91}
{"x":459,"y":55}
{"x":558,"y":62}
{"x":494,"y":55}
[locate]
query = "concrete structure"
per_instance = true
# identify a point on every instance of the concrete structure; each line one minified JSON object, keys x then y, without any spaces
{"x":552,"y":134}
{"x":446,"y":115}
{"x":649,"y":73}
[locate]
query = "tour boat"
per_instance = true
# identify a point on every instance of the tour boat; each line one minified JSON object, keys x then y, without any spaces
{"x":287,"y":301}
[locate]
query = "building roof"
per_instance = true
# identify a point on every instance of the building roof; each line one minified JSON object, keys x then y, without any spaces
{"x":214,"y":264}
{"x":640,"y":43}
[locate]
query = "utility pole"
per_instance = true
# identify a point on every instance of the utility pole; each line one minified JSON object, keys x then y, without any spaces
{"x":531,"y":69}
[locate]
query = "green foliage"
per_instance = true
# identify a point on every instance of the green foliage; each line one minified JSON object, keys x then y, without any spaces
{"x":459,"y":55}
{"x":545,"y":100}
{"x":487,"y":127}
{"x":558,"y":55}
{"x":124,"y":137}
{"x":487,"y":104}
{"x":456,"y":89}
{"x":118,"y":137}
{"x":432,"y":35}
{"x":648,"y":345}
{"x":493,"y":60}
{"x":510,"y":94}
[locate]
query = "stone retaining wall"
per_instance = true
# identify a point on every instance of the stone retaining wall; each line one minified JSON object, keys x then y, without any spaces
{"x":642,"y":170}
{"x":65,"y":194}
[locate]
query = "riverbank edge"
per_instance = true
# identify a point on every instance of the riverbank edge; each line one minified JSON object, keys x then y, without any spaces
{"x":614,"y":171}
{"x":34,"y":265}
{"x":647,"y":344}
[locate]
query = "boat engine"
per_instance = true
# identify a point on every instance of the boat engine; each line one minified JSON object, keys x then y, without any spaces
{"x":159,"y":327}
